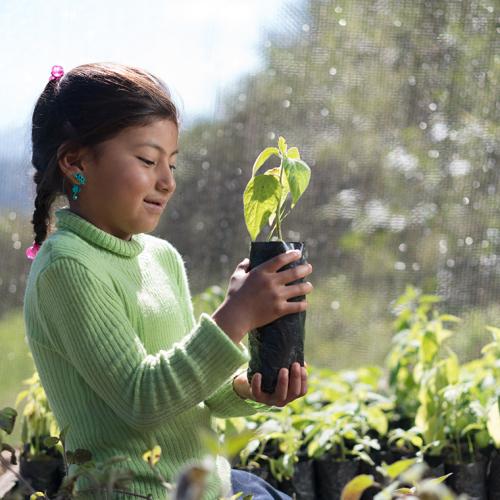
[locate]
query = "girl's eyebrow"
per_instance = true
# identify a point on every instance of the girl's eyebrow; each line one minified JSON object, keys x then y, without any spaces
{"x":157,"y":146}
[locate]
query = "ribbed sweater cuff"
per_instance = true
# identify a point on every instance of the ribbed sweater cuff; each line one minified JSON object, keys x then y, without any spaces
{"x":218,"y":353}
{"x":227,"y":403}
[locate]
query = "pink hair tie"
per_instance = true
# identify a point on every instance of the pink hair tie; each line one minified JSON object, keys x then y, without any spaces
{"x":56,"y":73}
{"x":32,"y":251}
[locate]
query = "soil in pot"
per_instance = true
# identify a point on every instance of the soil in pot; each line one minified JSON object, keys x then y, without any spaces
{"x":280,"y":343}
{"x":469,"y":478}
{"x":331,"y":476}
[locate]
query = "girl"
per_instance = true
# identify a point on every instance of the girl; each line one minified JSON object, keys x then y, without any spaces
{"x":107,"y":308}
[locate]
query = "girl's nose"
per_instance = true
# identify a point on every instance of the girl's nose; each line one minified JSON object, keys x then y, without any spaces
{"x":166,"y":180}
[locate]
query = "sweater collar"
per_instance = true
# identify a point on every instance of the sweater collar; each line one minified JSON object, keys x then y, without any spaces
{"x":67,"y":219}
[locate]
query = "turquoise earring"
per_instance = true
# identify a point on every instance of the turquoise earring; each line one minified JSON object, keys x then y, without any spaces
{"x":76,"y":188}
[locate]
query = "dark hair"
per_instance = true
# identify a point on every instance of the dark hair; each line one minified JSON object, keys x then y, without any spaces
{"x":90,"y":104}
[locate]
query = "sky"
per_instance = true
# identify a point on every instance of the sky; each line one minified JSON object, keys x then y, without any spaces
{"x":197,"y":47}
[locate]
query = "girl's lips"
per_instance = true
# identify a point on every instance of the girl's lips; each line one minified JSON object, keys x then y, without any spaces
{"x":153,"y":207}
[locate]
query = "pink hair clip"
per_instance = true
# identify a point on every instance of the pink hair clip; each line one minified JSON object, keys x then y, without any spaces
{"x":56,"y":73}
{"x":32,"y":251}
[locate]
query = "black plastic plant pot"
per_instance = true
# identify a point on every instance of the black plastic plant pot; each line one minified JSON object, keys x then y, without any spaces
{"x":435,"y":466}
{"x":280,"y":343}
{"x":332,"y":476}
{"x":44,"y":473}
{"x":366,"y":468}
{"x":493,"y":481}
{"x":302,"y":483}
{"x":468,"y":478}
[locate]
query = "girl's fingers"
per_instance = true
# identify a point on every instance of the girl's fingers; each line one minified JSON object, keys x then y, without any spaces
{"x":256,"y":391}
{"x":281,"y":390}
{"x":272,"y":265}
{"x":293,"y":274}
{"x":296,"y":290}
{"x":291,"y":385}
{"x":303,"y":372}
{"x":295,"y":388}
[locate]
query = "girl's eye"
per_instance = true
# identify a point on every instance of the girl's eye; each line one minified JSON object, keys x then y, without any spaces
{"x":148,"y":162}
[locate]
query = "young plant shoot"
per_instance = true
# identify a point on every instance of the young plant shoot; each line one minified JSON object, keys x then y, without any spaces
{"x":266,"y":194}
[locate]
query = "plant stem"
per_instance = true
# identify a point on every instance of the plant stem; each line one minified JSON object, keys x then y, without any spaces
{"x":278,"y":216}
{"x":274,"y":227}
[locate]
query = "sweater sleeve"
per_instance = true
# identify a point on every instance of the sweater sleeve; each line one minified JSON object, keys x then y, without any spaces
{"x":86,"y":320}
{"x":224,"y":402}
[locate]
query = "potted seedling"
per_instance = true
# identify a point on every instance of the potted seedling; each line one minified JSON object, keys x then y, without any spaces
{"x":41,"y":460}
{"x":268,"y":199}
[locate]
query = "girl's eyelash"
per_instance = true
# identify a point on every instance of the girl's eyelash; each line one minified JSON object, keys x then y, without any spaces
{"x":149,"y":162}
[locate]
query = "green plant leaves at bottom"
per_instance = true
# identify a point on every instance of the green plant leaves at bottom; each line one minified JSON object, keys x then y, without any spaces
{"x":354,"y":489}
{"x":7,"y":419}
{"x":493,"y":423}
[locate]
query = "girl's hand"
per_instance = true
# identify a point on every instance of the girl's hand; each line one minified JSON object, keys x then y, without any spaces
{"x":290,"y":386}
{"x":259,"y":296}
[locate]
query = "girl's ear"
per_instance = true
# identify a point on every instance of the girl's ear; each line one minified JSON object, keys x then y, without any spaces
{"x":69,"y":158}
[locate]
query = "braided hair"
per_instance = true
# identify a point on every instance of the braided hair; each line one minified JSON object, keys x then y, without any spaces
{"x":90,"y":104}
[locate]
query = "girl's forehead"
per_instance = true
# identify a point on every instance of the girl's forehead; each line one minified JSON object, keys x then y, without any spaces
{"x":164,"y":130}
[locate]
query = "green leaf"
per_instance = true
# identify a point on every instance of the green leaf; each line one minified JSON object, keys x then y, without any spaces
{"x":493,"y":423}
{"x":234,"y":444}
{"x":429,"y":299}
{"x":7,"y":419}
{"x":449,"y":317}
{"x":429,"y":347}
{"x":440,"y":479}
{"x":354,"y":489}
{"x":452,"y":368}
{"x":377,"y":420}
{"x":50,"y":441}
{"x":397,"y":468}
{"x":404,"y":491}
{"x":494,"y":331}
{"x":260,"y":200}
{"x":282,"y":145}
{"x":263,"y":157}
{"x":20,"y":397}
{"x":293,"y":153}
{"x":298,"y":175}
{"x":471,"y":427}
{"x":285,"y":188}
{"x":491,"y":347}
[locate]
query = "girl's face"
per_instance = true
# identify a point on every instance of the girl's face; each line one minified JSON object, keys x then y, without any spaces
{"x":126,"y":172}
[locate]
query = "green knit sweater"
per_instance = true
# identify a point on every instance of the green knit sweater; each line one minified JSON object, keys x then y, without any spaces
{"x":120,"y":355}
